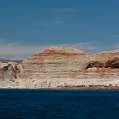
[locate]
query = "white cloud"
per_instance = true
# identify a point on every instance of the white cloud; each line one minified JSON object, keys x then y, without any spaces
{"x":85,"y":46}
{"x":20,"y":51}
{"x":14,"y":50}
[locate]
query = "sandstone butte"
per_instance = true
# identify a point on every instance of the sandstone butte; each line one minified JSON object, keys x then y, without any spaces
{"x":59,"y":67}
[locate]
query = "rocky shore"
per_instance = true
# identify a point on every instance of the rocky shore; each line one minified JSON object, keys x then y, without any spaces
{"x":63,"y":68}
{"x":61,"y":83}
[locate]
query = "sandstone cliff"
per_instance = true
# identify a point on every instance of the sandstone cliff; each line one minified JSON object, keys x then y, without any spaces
{"x":71,"y":63}
{"x":58,"y":66}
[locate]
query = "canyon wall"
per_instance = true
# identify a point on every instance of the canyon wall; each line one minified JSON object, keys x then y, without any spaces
{"x":62,"y":65}
{"x":71,"y":63}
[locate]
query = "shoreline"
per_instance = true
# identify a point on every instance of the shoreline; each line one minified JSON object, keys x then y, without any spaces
{"x":62,"y":84}
{"x":68,"y":88}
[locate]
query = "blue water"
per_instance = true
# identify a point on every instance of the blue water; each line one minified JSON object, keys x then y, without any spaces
{"x":58,"y":104}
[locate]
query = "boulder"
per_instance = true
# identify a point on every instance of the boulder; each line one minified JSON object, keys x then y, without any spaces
{"x":9,"y":72}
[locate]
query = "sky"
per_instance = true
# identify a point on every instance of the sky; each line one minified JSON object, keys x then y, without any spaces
{"x":28,"y":27}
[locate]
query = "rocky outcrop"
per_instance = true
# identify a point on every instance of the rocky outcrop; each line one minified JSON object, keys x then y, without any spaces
{"x":57,"y":64}
{"x":10,"y":71}
{"x":70,"y":63}
{"x":114,"y":63}
{"x":96,"y":64}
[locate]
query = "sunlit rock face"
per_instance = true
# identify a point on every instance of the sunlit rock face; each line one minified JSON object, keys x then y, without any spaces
{"x":58,"y":62}
{"x":55,"y":63}
{"x":62,"y":67}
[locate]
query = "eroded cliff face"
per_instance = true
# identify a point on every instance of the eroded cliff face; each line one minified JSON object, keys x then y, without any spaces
{"x":10,"y":71}
{"x":71,"y":63}
{"x":62,"y":67}
{"x":55,"y":63}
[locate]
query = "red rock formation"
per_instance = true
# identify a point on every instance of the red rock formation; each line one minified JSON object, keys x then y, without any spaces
{"x":71,"y":63}
{"x":62,"y":67}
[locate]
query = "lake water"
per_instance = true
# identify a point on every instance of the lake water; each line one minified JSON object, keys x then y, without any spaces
{"x":58,"y":104}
